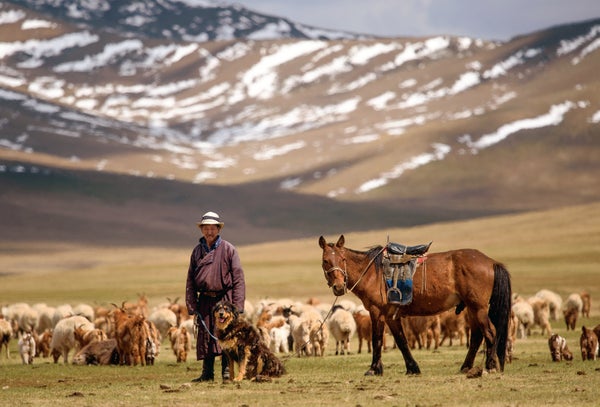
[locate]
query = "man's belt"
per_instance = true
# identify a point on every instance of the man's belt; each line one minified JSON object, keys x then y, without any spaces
{"x":212,"y":294}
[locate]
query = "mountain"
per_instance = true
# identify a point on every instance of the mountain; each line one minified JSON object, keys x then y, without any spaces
{"x":120,"y":126}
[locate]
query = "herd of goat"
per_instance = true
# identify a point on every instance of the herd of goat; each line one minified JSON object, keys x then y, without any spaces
{"x":131,"y":334}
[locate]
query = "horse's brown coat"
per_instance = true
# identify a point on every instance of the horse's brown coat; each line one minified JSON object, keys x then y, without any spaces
{"x":464,"y":278}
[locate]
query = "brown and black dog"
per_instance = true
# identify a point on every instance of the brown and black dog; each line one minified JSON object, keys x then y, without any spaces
{"x":241,"y":343}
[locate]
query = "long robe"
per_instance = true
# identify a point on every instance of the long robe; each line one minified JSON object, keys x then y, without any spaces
{"x":217,"y":271}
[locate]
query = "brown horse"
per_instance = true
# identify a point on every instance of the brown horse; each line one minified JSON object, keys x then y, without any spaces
{"x":464,"y":278}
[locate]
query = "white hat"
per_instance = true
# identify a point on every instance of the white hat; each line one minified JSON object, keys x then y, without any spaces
{"x":210,"y":218}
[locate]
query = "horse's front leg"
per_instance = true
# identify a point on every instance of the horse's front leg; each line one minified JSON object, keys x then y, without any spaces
{"x":396,"y":327}
{"x":377,"y":332}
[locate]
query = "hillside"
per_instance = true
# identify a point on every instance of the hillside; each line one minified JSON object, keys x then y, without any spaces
{"x":117,"y":125}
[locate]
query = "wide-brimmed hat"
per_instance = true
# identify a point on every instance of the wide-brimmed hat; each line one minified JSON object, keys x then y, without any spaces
{"x":210,"y":218}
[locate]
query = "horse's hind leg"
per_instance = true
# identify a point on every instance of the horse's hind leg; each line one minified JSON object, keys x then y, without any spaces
{"x":474,"y":344}
{"x":398,"y":332}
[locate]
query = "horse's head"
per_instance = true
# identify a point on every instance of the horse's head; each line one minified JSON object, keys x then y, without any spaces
{"x":334,"y":265}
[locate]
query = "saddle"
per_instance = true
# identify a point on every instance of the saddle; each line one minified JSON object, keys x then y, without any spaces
{"x":399,"y":265}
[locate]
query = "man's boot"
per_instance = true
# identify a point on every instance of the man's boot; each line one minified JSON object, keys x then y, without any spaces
{"x":208,"y":370}
{"x":225,"y":368}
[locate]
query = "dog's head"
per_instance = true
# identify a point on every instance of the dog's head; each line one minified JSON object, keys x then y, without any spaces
{"x":224,"y":314}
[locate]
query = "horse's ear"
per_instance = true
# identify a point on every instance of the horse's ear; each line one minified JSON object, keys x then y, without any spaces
{"x":340,"y":242}
{"x":322,"y":242}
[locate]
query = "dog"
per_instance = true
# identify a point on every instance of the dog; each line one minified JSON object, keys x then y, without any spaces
{"x":241,"y":342}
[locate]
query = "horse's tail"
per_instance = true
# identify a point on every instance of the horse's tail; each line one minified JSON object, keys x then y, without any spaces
{"x":499,"y":311}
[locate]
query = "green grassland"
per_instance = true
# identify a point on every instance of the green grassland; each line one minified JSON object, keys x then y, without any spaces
{"x":558,"y":250}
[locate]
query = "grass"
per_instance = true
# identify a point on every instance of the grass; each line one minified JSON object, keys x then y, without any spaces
{"x":557,"y":250}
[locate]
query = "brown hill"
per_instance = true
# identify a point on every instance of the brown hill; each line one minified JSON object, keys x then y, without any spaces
{"x":110,"y":137}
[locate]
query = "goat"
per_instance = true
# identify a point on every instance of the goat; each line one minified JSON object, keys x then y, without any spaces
{"x":6,"y":334}
{"x":181,"y":342}
{"x":343,"y":327}
{"x":83,"y":335}
{"x":42,"y":343}
{"x":27,"y":348}
{"x":279,"y":338}
{"x":422,"y":330}
{"x":363,"y":328}
{"x":98,"y":353}
{"x":131,"y":333}
{"x":588,"y":342}
{"x":587,"y":303}
{"x":558,"y":348}
{"x":451,"y":326}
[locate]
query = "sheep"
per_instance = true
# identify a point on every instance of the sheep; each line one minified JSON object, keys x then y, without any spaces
{"x":181,"y":342}
{"x":554,"y":302}
{"x":343,"y":327}
{"x":84,"y":310}
{"x":14,"y":313}
{"x":558,"y":348}
{"x":63,"y":336}
{"x":541,"y":314}
{"x":164,"y":319}
{"x":588,"y":342}
{"x":513,"y":325}
{"x":363,"y":328}
{"x":61,"y":312}
{"x":6,"y":333}
{"x":587,"y":303}
{"x":27,"y":348}
{"x":524,"y":313}
{"x":180,"y":311}
{"x":45,"y":314}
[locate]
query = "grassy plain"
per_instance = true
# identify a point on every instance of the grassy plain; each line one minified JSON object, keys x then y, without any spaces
{"x":557,"y":250}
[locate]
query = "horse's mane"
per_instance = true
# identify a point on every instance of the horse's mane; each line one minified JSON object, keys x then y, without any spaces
{"x":373,"y":253}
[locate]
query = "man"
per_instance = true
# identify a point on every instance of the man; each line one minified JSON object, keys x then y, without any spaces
{"x":215,"y":273}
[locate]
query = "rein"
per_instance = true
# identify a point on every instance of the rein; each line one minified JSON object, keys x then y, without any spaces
{"x":345,"y":273}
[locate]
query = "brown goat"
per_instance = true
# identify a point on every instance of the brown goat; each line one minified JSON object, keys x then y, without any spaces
{"x":363,"y":329}
{"x":559,"y":349}
{"x":571,"y":318}
{"x":131,"y":333}
{"x":181,"y":341}
{"x":452,"y":326}
{"x":587,"y":303}
{"x":83,"y":336}
{"x":42,"y":343}
{"x":422,"y":330}
{"x":588,"y":343}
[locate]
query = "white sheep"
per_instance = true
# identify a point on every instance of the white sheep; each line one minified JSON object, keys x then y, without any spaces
{"x":554,"y":302}
{"x":164,"y":319}
{"x":84,"y":310}
{"x":45,"y":314}
{"x":343,"y":327}
{"x":60,"y":312}
{"x":63,"y":337}
{"x":524,"y":313}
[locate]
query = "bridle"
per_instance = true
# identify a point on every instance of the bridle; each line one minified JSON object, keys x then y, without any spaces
{"x":345,"y":273}
{"x":341,"y":270}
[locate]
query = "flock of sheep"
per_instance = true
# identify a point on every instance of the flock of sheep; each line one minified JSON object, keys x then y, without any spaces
{"x":133,"y":334}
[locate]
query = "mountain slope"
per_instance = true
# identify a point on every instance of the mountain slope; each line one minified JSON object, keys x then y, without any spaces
{"x":355,"y":132}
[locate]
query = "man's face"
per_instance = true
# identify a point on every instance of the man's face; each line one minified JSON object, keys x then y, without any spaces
{"x":210,"y":232}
